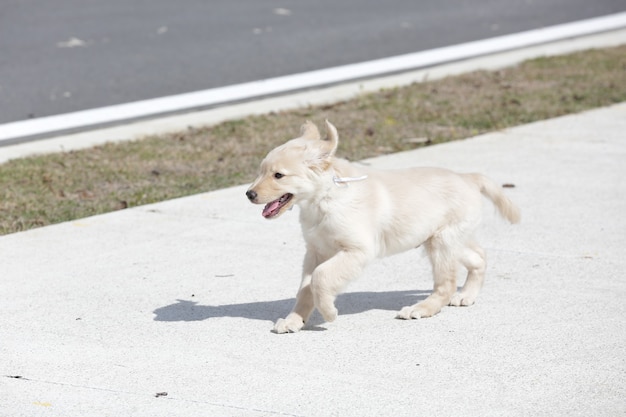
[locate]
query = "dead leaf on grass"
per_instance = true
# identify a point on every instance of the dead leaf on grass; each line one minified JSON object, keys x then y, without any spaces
{"x":417,"y":141}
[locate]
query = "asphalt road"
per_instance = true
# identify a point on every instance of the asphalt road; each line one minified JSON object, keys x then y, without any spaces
{"x":60,"y":56}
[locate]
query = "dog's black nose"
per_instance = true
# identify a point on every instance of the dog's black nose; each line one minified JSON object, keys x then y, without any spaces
{"x":251,"y":195}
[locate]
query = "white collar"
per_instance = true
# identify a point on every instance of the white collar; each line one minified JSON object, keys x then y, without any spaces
{"x":339,"y":181}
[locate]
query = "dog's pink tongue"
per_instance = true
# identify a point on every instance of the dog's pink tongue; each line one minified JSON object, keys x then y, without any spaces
{"x":270,"y":207}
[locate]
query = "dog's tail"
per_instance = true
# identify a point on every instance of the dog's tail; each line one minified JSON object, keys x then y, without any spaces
{"x":489,"y":189}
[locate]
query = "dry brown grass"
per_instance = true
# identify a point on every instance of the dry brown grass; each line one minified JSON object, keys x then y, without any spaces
{"x":49,"y":189}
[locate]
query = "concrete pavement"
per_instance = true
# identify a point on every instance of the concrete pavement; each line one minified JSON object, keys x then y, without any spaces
{"x":166,"y":309}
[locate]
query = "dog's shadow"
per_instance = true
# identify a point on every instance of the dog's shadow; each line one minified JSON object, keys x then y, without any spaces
{"x":348,"y":303}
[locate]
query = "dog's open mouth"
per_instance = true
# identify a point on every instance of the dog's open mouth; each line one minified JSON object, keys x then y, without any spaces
{"x":273,"y":208}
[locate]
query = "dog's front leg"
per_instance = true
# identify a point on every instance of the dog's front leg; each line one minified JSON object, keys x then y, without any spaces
{"x":330,"y":277}
{"x":304,"y":300}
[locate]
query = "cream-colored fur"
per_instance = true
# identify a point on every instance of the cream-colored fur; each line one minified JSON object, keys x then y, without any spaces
{"x":348,"y":220}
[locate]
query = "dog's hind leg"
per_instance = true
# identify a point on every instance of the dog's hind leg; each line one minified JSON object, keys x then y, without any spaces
{"x":330,"y":277}
{"x":443,"y":256}
{"x":304,"y":299}
{"x":474,"y":259}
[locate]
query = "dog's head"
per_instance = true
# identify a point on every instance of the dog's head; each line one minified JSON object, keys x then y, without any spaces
{"x":288,"y":172}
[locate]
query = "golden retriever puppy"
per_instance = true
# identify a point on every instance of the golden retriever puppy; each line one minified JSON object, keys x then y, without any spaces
{"x":352,"y":214}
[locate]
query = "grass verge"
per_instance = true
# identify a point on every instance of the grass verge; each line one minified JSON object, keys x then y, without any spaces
{"x":48,"y":189}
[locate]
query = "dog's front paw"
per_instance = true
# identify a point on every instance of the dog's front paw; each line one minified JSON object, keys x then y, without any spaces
{"x":326,"y":307}
{"x":330,"y":314}
{"x":291,"y":324}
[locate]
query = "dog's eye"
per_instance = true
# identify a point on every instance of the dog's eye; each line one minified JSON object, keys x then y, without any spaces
{"x":278,"y":175}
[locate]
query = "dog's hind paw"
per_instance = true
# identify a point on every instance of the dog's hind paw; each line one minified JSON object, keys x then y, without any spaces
{"x":289,"y":324}
{"x":408,"y":313}
{"x":461,"y":299}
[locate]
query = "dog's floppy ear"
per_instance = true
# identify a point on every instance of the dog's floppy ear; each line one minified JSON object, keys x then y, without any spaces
{"x":322,"y":150}
{"x":332,"y":137}
{"x":309,"y":131}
